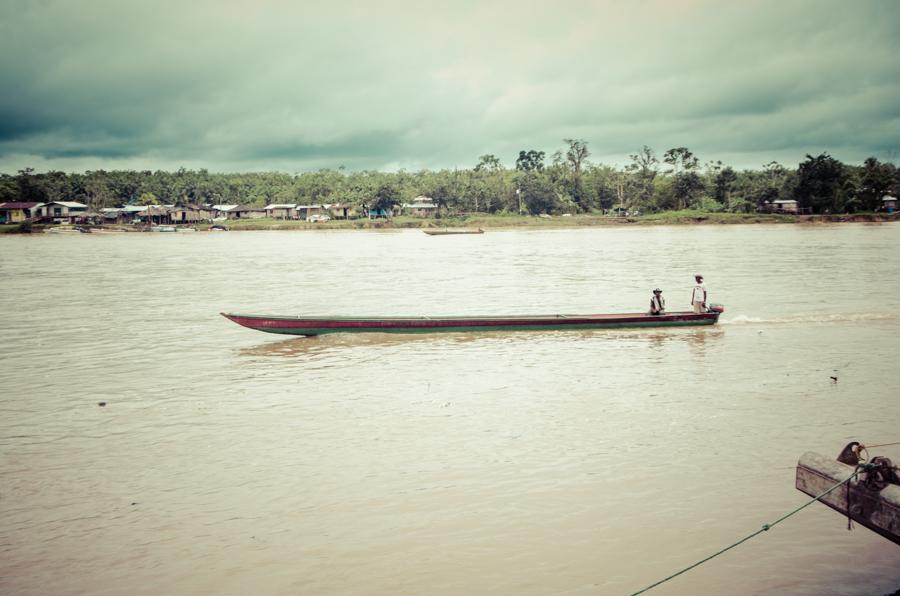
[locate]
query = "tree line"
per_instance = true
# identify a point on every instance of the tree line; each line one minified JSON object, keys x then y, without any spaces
{"x":565,"y":182}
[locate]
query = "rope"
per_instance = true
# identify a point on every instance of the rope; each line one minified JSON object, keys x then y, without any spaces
{"x":883,"y":445}
{"x":765,"y":528}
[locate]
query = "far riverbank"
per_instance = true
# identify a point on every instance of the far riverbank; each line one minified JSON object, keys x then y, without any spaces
{"x":488,"y":221}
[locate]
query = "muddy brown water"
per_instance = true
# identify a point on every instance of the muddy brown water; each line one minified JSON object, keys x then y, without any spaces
{"x":228,"y":461}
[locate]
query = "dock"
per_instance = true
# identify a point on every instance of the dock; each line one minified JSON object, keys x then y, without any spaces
{"x":872,"y":499}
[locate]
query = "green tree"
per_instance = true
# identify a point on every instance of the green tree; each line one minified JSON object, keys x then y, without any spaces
{"x":576,"y":158}
{"x":877,"y":180}
{"x":530,"y":161}
{"x":680,"y":159}
{"x":537,"y":193}
{"x":723,"y":185}
{"x":148,"y":198}
{"x":687,"y":183}
{"x":30,"y":190}
{"x":821,"y":184}
{"x":488,"y":163}
{"x":637,"y":188}
{"x":9,"y":189}
{"x":386,"y":197}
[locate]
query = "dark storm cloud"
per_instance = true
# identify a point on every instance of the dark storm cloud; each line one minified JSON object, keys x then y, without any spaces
{"x":272,"y":84}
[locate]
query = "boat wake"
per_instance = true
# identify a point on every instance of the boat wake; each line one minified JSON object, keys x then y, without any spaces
{"x":810,"y":318}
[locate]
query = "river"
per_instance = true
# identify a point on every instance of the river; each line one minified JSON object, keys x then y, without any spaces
{"x":228,"y":461}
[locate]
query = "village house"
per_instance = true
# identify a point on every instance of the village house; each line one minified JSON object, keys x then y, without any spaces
{"x":341,"y":210}
{"x":281,"y":211}
{"x":421,"y":207}
{"x":157,"y":215}
{"x":57,"y":210}
{"x":221,"y":211}
{"x":311,"y":212}
{"x":186,"y":214}
{"x":889,"y":203}
{"x":86,"y":217}
{"x":378,"y":213}
{"x":133,"y":212}
{"x":16,"y":212}
{"x":784,"y":206}
{"x":247,"y":212}
{"x":115,"y":215}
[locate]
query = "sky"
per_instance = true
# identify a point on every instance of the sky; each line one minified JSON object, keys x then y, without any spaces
{"x":295,"y":86}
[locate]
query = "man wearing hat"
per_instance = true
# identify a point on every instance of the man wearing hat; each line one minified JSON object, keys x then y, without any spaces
{"x":698,"y":298}
{"x":657,"y":303}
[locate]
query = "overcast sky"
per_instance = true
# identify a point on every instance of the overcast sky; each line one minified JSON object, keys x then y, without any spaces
{"x":240,"y":85}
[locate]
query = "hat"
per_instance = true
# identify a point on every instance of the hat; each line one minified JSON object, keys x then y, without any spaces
{"x":657,"y":291}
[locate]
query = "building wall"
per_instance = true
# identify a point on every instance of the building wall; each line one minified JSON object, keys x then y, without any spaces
{"x":283,"y":213}
{"x":788,"y":207}
{"x":342,"y":212}
{"x":185,"y":216}
{"x":15,"y":215}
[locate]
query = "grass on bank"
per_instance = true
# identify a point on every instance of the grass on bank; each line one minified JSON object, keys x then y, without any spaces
{"x":511,"y":220}
{"x":506,"y":220}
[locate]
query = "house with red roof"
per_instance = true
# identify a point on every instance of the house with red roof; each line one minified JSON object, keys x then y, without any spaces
{"x":16,"y":212}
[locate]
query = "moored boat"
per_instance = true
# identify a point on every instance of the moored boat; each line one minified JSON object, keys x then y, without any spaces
{"x":451,"y":231}
{"x":288,"y":325}
{"x":871,"y":492}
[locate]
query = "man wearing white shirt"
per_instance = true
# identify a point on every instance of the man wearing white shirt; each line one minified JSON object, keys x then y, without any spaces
{"x":657,"y":303}
{"x":698,"y":298}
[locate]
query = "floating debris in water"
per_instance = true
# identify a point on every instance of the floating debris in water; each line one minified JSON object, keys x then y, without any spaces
{"x":101,"y":403}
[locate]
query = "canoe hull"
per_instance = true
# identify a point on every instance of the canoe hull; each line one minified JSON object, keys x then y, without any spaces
{"x":320,"y":326}
{"x":452,"y":232}
{"x":877,"y":510}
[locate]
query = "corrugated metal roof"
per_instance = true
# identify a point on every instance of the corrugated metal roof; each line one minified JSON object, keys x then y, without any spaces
{"x":281,"y":206}
{"x":223,"y":207}
{"x":69,"y":204}
{"x":17,"y":205}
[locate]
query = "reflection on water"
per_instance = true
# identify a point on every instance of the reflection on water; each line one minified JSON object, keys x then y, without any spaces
{"x":300,"y":346}
{"x":575,"y":462}
{"x":311,"y":346}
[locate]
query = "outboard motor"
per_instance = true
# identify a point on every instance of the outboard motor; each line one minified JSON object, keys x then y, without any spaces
{"x":716,"y":308}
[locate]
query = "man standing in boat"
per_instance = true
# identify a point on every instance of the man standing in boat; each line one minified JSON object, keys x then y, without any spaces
{"x":698,"y":298}
{"x":657,"y":303}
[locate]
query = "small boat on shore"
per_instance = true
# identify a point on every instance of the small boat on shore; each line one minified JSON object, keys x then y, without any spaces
{"x":452,"y":231}
{"x":287,"y":325}
{"x":163,"y":229}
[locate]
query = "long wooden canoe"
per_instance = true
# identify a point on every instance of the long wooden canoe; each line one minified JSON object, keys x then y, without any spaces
{"x":320,"y":325}
{"x":451,"y":231}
